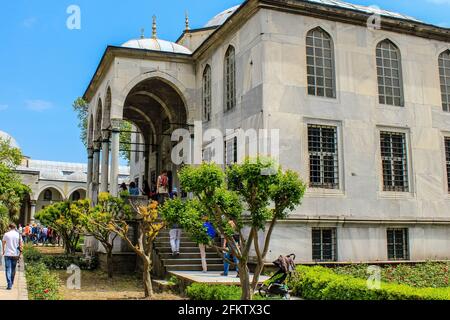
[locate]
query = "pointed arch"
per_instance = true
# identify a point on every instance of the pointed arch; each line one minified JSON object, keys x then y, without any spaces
{"x":206,"y":93}
{"x":320,"y":63}
{"x":230,"y":78}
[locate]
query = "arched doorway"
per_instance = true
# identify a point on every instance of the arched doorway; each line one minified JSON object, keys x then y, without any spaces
{"x":48,"y":196}
{"x":78,"y":194}
{"x":156,"y":108}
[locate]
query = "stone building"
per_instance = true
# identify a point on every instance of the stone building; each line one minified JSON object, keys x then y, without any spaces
{"x":361,"y":97}
{"x":51,"y":182}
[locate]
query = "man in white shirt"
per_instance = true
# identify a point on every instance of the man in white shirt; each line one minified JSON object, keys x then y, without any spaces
{"x":12,"y":247}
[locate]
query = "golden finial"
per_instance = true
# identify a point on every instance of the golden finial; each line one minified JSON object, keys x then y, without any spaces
{"x":187,"y":21}
{"x":142,"y":33}
{"x":154,"y":28}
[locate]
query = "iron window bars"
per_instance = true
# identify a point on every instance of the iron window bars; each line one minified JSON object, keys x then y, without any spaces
{"x":394,"y":161}
{"x":444,"y":76}
{"x":324,"y":244}
{"x":397,"y":244}
{"x":323,"y":157}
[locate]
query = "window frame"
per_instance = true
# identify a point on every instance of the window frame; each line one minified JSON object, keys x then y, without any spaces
{"x":405,"y":244}
{"x":229,"y":79}
{"x":315,"y":74}
{"x":46,"y":192}
{"x":333,"y":244}
{"x":384,"y":67}
{"x":445,"y":74}
{"x":447,"y":161}
{"x":206,"y":93}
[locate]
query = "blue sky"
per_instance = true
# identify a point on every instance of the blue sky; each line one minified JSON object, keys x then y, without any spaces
{"x":44,"y":66}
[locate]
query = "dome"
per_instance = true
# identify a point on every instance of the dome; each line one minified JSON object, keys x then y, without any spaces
{"x":6,"y":136}
{"x":221,"y":17}
{"x":156,"y":45}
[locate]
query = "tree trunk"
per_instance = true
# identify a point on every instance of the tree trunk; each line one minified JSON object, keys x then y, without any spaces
{"x":148,"y":288}
{"x":244,"y":276}
{"x":109,"y":262}
{"x":258,"y":270}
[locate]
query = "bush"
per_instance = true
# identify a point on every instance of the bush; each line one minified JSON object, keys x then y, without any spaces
{"x":201,"y":291}
{"x":58,"y":262}
{"x":319,"y":283}
{"x":42,"y":285}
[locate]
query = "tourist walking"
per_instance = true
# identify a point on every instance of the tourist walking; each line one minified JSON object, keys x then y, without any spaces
{"x":175,"y":239}
{"x":162,"y":187}
{"x":133,"y":190}
{"x":123,"y":187}
{"x":12,"y":248}
{"x":211,"y":232}
{"x":229,"y":256}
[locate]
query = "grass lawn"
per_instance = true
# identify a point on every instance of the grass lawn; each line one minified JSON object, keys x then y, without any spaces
{"x":423,"y":275}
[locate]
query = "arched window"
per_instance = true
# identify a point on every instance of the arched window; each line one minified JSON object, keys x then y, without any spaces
{"x":76,"y":196}
{"x":389,"y":71}
{"x":320,"y":64}
{"x":444,"y":75}
{"x":230,"y":79}
{"x":206,"y":93}
{"x":48,"y":195}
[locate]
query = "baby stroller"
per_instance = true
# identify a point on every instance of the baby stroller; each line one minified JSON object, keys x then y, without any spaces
{"x":276,"y":286}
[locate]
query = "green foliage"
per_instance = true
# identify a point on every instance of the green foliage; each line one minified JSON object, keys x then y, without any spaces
{"x":12,"y":190}
{"x":66,"y":219}
{"x":319,"y":283}
{"x":421,"y":275}
{"x":42,"y":285}
{"x":82,"y":109}
{"x":201,"y":291}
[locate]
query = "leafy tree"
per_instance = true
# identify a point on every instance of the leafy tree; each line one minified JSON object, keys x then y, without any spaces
{"x":82,"y":109}
{"x":66,"y":219}
{"x":149,"y":225}
{"x":237,"y":203}
{"x":97,"y":222}
{"x":12,"y":190}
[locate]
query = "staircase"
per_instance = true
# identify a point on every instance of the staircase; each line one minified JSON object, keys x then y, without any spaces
{"x":189,"y":258}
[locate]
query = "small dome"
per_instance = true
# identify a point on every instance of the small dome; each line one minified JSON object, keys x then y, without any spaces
{"x":6,"y":136}
{"x":221,"y":17}
{"x":156,"y":45}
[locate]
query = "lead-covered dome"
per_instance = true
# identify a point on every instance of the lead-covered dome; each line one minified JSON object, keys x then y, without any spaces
{"x":6,"y":136}
{"x":156,"y":45}
{"x":220,"y":19}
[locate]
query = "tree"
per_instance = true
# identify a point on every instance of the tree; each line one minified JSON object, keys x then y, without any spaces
{"x":97,"y":222}
{"x":148,"y":225}
{"x":12,"y":190}
{"x":82,"y":109}
{"x":66,"y":219}
{"x":237,"y":203}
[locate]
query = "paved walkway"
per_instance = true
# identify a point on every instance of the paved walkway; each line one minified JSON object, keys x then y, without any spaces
{"x":212,"y":277}
{"x":19,"y":291}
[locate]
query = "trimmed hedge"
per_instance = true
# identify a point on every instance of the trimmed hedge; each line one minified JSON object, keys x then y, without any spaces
{"x":41,"y":284}
{"x":201,"y":291}
{"x":319,"y":283}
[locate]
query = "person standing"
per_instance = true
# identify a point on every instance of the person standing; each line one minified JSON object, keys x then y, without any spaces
{"x":44,"y":234}
{"x":175,"y":239}
{"x":162,"y":187}
{"x":12,"y":247}
{"x":134,"y":190}
{"x":229,"y":256}
{"x":211,"y":232}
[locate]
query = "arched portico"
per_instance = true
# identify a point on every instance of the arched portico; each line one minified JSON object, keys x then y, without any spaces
{"x":49,"y":195}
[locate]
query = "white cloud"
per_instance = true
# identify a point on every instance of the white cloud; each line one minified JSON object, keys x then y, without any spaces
{"x":29,"y":22}
{"x":3,"y":107}
{"x":38,"y":105}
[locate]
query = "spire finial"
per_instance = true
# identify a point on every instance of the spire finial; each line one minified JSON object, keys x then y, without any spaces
{"x":142,"y":33}
{"x":154,"y":28}
{"x":187,"y":21}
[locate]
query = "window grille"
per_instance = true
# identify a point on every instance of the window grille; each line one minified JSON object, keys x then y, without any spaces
{"x":447,"y":160}
{"x":230,"y":79}
{"x":207,"y":93}
{"x":444,"y":75}
{"x":324,"y":244}
{"x":394,"y":161}
{"x":397,"y":244}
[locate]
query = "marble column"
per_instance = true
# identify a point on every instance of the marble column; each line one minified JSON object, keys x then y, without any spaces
{"x":32,"y":211}
{"x":89,"y":172}
{"x":96,"y":171}
{"x":115,"y":144}
{"x":105,"y":162}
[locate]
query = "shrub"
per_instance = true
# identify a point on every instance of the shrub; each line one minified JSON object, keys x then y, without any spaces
{"x":31,"y":254}
{"x":319,"y":283}
{"x":201,"y":291}
{"x":42,"y":285}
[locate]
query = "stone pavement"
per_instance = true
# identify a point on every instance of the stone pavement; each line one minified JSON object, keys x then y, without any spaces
{"x":212,"y":277}
{"x":19,"y":291}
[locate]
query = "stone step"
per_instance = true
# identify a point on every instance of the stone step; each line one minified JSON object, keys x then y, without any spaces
{"x":193,"y":255}
{"x":194,"y":267}
{"x":194,"y":249}
{"x":181,"y":261}
{"x":182,"y":244}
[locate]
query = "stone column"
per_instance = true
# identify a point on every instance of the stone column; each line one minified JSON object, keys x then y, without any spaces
{"x":115,"y":142}
{"x":32,"y":211}
{"x":89,"y":172}
{"x":96,"y":171}
{"x":105,"y":162}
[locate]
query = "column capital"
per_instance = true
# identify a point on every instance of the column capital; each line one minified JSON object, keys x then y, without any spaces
{"x":115,"y":124}
{"x":90,"y":152}
{"x":105,"y":135}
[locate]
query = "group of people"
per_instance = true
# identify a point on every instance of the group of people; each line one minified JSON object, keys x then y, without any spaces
{"x":37,"y":234}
